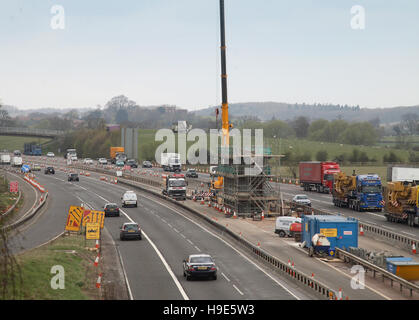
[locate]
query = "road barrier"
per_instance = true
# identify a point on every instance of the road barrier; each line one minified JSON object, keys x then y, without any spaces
{"x":12,"y":207}
{"x":31,"y":213}
{"x":350,"y":258}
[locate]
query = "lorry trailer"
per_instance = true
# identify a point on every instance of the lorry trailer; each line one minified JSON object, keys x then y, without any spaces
{"x":318,"y":176}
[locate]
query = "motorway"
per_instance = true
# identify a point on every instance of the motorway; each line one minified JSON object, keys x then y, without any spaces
{"x":153,"y":265}
{"x":324,"y":202}
{"x":171,"y":236}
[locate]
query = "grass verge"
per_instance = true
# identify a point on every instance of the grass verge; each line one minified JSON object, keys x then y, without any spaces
{"x":79,"y":273}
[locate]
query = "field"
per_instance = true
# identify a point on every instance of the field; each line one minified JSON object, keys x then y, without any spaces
{"x":147,"y":145}
{"x":11,"y":143}
{"x":333,"y":149}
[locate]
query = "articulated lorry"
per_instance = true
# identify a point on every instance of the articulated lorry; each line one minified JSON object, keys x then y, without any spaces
{"x":174,"y":186}
{"x":402,"y":173}
{"x":358,"y":192}
{"x":32,"y":149}
{"x":401,"y":202}
{"x":171,"y":162}
{"x":114,"y":151}
{"x":317,"y":176}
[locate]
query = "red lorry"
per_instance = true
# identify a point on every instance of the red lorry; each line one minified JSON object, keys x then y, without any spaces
{"x":318,"y":176}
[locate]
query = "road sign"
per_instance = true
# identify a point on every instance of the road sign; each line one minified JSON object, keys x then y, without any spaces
{"x":119,"y":173}
{"x":91,"y":216}
{"x":93,"y":230}
{"x":74,"y":218}
{"x":14,"y":186}
{"x":25,"y":168}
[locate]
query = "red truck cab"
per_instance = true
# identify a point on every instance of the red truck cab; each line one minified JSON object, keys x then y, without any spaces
{"x":318,"y":176}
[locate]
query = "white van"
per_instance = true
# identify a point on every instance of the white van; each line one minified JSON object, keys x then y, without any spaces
{"x":17,"y":161}
{"x":5,"y":159}
{"x":129,"y":199}
{"x":282,"y":225}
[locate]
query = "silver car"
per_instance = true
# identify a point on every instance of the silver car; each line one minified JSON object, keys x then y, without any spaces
{"x":301,"y":199}
{"x":199,"y":265}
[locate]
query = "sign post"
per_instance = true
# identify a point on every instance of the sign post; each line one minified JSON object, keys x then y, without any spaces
{"x":14,"y":186}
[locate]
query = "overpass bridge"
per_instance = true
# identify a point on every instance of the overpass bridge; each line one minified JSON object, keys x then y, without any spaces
{"x":29,"y":132}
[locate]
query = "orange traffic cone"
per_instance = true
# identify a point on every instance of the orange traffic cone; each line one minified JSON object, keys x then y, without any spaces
{"x":96,"y":261}
{"x":99,"y":280}
{"x":234,"y":215}
{"x":413,"y":248}
{"x":361,"y":231}
{"x":263,"y":215}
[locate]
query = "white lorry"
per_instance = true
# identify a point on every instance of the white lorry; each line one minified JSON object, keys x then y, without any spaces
{"x":17,"y":161}
{"x":5,"y":159}
{"x":171,"y":162}
{"x":175,"y":186}
{"x":395,"y":173}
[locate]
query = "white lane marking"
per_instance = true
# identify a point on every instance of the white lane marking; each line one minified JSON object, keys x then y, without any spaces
{"x":375,"y":214}
{"x":183,"y":236}
{"x":411,"y":234}
{"x":222,"y":273}
{"x":214,"y":235}
{"x":190,"y":241}
{"x":169,"y":225}
{"x":229,"y":245}
{"x":163,"y":260}
{"x":163,"y":220}
{"x":237,"y":289}
{"x":176,"y":230}
{"x":123,"y":270}
{"x":197,"y":248}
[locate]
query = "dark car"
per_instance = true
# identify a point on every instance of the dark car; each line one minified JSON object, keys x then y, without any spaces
{"x":111,"y":209}
{"x":147,"y":164}
{"x":191,"y":173}
{"x":73,"y":177}
{"x":132,"y":163}
{"x":130,"y":230}
{"x":49,"y":170}
{"x":199,"y":265}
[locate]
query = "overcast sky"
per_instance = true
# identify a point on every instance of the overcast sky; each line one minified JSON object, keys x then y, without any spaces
{"x":167,"y":52}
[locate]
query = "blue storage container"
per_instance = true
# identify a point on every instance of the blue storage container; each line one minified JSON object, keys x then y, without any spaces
{"x":342,"y":232}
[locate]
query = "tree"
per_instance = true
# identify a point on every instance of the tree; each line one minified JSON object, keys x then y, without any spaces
{"x":121,"y":116}
{"x":321,"y":155}
{"x":301,"y":126}
{"x":5,"y":119}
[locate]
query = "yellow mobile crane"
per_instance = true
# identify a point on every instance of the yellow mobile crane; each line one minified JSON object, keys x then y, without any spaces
{"x":225,"y":142}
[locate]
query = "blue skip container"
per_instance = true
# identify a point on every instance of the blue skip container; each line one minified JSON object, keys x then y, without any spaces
{"x":341,"y":232}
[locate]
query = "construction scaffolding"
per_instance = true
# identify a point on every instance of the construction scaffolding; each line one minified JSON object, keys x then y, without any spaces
{"x":248,"y":194}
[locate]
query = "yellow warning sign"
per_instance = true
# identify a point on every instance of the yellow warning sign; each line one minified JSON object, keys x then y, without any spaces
{"x":329,"y":232}
{"x":94,"y":216}
{"x":74,"y":218}
{"x":92,"y":230}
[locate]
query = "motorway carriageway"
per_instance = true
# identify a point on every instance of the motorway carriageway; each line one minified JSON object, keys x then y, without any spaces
{"x":153,"y":266}
{"x":335,"y":278}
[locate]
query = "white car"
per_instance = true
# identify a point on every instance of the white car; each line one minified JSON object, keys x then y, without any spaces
{"x":50,"y":154}
{"x":129,"y":199}
{"x":88,"y":161}
{"x":102,"y":161}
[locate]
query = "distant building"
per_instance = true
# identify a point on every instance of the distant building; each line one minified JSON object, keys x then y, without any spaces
{"x":113,"y":127}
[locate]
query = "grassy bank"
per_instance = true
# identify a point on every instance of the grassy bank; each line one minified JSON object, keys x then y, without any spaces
{"x":12,"y":143}
{"x":68,"y":252}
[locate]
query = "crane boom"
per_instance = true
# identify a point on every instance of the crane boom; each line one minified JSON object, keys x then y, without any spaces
{"x":224,"y":108}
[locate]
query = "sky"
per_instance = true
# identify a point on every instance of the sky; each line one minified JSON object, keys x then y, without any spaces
{"x":167,"y":52}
